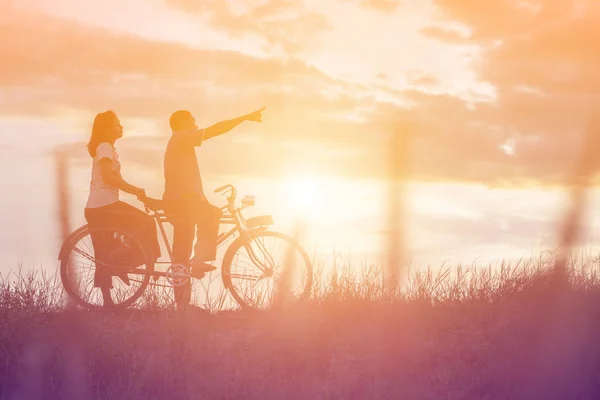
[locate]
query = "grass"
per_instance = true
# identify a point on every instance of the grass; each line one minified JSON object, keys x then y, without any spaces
{"x":504,"y":332}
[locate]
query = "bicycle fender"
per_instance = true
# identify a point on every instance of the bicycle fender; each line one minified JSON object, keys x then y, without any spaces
{"x":64,"y":248}
{"x":259,"y":221}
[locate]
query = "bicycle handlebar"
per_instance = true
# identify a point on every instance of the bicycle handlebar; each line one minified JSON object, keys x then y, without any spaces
{"x":152,"y":204}
{"x":222,"y":188}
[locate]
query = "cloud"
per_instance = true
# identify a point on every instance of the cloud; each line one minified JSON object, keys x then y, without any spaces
{"x":53,"y":67}
{"x":548,"y":46}
{"x":444,"y":34}
{"x":56,"y":62}
{"x":385,"y":6}
{"x":492,"y":19}
{"x":542,"y":59}
{"x":491,"y":228}
{"x":60,"y":67}
{"x":283,"y":24}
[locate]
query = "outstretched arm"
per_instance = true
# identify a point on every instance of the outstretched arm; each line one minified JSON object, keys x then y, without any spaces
{"x":225,"y":126}
{"x":222,"y":127}
{"x":195,"y":138}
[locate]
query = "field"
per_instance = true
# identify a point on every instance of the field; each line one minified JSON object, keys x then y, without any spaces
{"x":509,"y":332}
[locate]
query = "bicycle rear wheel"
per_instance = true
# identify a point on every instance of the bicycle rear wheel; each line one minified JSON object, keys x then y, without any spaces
{"x":105,"y":267}
{"x":255,"y":269}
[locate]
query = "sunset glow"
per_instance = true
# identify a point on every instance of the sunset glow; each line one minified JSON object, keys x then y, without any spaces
{"x":499,"y":118}
{"x":299,"y":199}
{"x":301,"y":193}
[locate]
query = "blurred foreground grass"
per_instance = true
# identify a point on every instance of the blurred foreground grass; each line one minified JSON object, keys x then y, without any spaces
{"x":507,"y":332}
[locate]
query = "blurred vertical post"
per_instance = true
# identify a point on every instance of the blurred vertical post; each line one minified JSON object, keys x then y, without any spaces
{"x":73,"y":330}
{"x":35,"y":355}
{"x":554,"y":356}
{"x":284,"y":287}
{"x":579,"y":183}
{"x":397,"y":176}
{"x":64,"y":217}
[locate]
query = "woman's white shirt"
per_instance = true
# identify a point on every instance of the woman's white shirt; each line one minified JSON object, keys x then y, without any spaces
{"x":101,"y":193}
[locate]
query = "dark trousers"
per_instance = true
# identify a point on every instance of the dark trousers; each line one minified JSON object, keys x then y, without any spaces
{"x":123,"y":216}
{"x":189,"y":215}
{"x":127,"y":218}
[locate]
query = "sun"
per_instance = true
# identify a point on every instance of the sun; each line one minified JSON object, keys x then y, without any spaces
{"x":300,"y":193}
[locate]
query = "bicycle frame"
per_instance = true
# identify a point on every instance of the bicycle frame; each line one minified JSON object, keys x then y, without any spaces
{"x":248,"y":229}
{"x":232,"y":215}
{"x":226,"y":219}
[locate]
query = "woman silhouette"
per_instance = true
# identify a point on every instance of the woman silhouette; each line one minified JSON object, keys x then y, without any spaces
{"x":104,"y":209}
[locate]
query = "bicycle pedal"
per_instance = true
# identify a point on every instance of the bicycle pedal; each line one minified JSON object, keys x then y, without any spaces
{"x":177,"y":274}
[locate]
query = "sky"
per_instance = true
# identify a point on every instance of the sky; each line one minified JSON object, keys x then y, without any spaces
{"x":498,"y":95}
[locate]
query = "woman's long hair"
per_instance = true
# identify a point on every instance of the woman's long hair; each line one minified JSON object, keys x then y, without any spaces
{"x":102,"y":124}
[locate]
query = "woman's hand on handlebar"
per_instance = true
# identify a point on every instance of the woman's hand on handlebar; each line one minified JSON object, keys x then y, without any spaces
{"x":153,"y":204}
{"x":140,"y":194}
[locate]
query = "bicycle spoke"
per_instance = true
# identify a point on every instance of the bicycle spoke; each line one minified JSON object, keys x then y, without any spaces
{"x":266,"y":250}
{"x":267,"y":255}
{"x":247,"y":277}
{"x":89,"y":274}
{"x":84,"y":254}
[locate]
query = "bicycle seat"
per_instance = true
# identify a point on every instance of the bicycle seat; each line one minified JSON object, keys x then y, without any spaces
{"x":154,"y":204}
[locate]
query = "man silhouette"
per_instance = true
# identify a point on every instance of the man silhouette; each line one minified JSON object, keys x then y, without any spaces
{"x":185,"y":202}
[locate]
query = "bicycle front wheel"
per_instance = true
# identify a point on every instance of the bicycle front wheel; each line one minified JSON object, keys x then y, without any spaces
{"x":268,"y":264}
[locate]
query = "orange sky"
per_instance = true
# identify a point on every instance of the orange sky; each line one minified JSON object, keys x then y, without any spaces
{"x":500,"y":90}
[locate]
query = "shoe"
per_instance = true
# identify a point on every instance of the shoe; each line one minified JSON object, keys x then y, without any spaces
{"x":199,"y":269}
{"x":123,"y":275}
